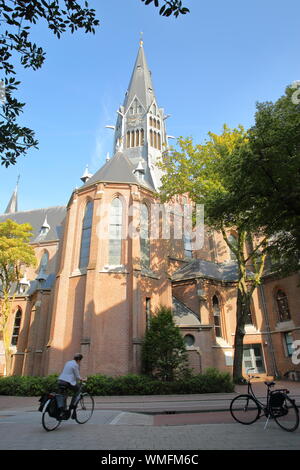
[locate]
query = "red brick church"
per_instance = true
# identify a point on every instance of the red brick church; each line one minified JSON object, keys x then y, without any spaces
{"x":101,"y":274}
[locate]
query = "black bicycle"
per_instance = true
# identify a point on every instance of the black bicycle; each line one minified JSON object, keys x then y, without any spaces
{"x":81,"y":412}
{"x":246,"y":408}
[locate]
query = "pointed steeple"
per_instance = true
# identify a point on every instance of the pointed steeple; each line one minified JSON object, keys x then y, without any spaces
{"x":13,"y":202}
{"x":140,"y":131}
{"x":140,"y":85}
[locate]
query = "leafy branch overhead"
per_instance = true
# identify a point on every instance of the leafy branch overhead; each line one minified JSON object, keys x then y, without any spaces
{"x":171,"y":7}
{"x":18,"y":17}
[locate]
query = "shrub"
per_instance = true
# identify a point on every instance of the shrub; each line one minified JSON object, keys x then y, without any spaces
{"x":211,"y":381}
{"x":164,"y":352}
{"x":27,"y":386}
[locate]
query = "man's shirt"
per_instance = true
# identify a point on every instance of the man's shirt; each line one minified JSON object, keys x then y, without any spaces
{"x":70,"y":373}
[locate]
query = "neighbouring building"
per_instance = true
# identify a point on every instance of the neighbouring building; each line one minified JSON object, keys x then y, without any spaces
{"x":101,"y":273}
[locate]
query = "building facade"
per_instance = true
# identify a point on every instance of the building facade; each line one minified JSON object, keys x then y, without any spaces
{"x":108,"y":260}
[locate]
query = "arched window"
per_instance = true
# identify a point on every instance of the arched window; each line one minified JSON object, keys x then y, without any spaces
{"x":115,"y":233}
{"x":43,"y":264}
{"x":155,"y":140}
{"x":233,"y":241}
{"x":158,"y":124}
{"x":151,"y":138}
{"x":158,"y":141}
{"x":17,"y":325}
{"x":137,"y":138}
{"x":283,"y":306}
{"x":188,"y":249}
{"x":86,"y":235}
{"x":128,"y":139}
{"x":132,"y":139}
{"x":217,"y":316}
{"x":150,"y":121}
{"x":144,"y":236}
{"x":142,"y":137}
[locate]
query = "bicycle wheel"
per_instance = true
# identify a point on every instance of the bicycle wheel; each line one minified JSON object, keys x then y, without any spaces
{"x":84,"y":408}
{"x":49,"y":421}
{"x":286,"y":415}
{"x":244,"y":409}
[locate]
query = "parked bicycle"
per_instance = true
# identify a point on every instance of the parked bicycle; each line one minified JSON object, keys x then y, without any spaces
{"x":246,"y":408}
{"x":81,"y":413}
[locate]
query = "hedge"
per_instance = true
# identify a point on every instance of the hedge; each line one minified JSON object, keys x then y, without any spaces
{"x":211,"y":381}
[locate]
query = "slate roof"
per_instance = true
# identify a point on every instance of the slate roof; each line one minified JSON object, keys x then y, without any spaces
{"x":227,"y":272}
{"x":55,"y":217}
{"x":118,"y":169}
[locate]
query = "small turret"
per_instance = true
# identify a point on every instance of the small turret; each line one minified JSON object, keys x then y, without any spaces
{"x":86,"y":175}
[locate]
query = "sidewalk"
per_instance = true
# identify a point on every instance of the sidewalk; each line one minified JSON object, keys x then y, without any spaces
{"x":159,"y":404}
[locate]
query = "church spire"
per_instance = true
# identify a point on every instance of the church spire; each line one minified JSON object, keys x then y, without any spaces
{"x":140,"y":131}
{"x":13,"y":202}
{"x":140,"y":85}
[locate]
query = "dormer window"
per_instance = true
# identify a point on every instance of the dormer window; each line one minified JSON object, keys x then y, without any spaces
{"x":139,"y":171}
{"x":43,"y":230}
{"x":42,"y":276}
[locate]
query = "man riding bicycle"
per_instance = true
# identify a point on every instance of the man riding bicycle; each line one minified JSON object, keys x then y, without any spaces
{"x":69,"y":379}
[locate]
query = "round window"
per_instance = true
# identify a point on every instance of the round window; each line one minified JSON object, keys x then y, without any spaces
{"x":189,"y":340}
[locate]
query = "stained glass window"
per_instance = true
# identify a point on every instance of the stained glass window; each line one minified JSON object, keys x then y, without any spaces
{"x":86,"y":236}
{"x":115,"y":233}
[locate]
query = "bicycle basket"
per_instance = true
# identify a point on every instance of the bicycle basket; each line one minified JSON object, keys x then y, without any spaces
{"x":276,"y":399}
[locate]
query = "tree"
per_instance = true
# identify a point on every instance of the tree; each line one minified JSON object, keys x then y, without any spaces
{"x":210,"y":173}
{"x":15,"y":254}
{"x":163,"y":351}
{"x":270,"y":171}
{"x":18,"y":16}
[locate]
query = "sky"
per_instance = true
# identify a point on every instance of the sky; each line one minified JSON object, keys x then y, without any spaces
{"x":209,"y":67}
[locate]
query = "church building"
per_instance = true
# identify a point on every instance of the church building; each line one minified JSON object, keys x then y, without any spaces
{"x":105,"y":265}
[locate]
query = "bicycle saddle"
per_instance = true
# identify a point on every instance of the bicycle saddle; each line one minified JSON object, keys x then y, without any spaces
{"x":269,"y":384}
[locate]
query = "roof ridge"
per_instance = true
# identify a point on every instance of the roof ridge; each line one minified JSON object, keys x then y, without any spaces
{"x":32,"y":210}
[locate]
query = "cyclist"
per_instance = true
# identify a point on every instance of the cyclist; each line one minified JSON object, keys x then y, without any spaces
{"x":69,"y":379}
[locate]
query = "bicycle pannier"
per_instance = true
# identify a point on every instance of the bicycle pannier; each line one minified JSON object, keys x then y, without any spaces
{"x":53,"y":408}
{"x":276,"y":400}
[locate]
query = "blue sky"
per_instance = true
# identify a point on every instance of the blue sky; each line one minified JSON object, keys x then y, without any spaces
{"x":209,"y":67}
